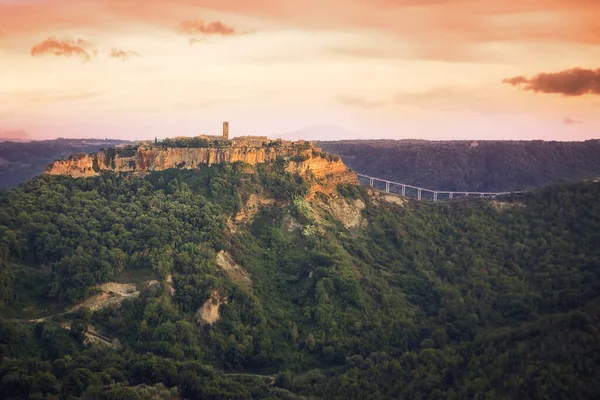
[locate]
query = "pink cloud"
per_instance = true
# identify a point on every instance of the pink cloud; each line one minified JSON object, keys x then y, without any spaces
{"x":64,"y":47}
{"x":570,"y":82}
{"x":122,"y":54}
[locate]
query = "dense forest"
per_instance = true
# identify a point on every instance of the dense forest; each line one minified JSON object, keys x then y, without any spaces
{"x":487,"y":166}
{"x":471,"y":298}
{"x":20,"y":161}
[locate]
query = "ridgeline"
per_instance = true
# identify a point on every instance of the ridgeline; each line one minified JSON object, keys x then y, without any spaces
{"x":477,"y":166}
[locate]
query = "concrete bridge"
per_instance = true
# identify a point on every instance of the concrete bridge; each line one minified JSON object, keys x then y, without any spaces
{"x":422,"y":193}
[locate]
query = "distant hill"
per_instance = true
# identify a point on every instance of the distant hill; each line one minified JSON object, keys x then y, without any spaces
{"x":13,"y":139}
{"x":468,"y":165}
{"x":14,"y":136}
{"x":316,"y":132}
{"x":21,"y":161}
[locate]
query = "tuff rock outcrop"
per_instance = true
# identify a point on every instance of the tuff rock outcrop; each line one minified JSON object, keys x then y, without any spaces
{"x":303,"y":159}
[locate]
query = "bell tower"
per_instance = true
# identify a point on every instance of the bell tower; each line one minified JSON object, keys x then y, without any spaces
{"x":226,"y":130}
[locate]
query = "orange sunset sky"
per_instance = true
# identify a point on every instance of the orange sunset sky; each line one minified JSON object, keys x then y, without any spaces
{"x":327,"y":69}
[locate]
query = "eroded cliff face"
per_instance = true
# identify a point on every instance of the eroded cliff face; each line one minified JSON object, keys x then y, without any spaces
{"x":326,"y":171}
{"x":77,"y":166}
{"x":147,"y":159}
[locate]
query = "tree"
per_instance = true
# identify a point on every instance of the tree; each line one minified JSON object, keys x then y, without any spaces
{"x":76,"y":382}
{"x":45,"y":383}
{"x":78,"y":329}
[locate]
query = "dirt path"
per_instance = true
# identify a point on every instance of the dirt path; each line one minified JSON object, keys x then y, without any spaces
{"x":31,"y":321}
{"x":111,"y":293}
{"x":91,"y":334}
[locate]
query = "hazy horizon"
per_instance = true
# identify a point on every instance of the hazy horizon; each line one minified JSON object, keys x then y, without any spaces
{"x":5,"y":136}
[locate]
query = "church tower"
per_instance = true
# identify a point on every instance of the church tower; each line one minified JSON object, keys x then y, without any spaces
{"x":226,"y":130}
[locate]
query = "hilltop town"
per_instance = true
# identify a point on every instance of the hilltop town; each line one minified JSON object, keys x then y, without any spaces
{"x":218,"y":141}
{"x":202,"y":151}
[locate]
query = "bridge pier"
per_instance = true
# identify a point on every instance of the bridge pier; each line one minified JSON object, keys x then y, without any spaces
{"x":371,"y":182}
{"x":404,"y":190}
{"x":450,"y":195}
{"x":387,"y":187}
{"x":418,"y":194}
{"x":435,"y":196}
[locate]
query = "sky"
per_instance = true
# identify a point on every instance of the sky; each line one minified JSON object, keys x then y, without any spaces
{"x":327,"y":69}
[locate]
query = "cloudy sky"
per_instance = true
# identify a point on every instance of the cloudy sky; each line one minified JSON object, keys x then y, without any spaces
{"x":326,"y":69}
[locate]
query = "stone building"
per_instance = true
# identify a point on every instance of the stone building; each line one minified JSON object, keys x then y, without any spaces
{"x":225,"y":130}
{"x":224,"y":134}
{"x":250,"y":141}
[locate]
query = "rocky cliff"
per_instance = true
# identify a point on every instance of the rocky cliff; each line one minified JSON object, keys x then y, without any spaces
{"x":147,"y":159}
{"x":327,"y":171}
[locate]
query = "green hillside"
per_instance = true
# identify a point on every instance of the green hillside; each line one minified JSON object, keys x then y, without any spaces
{"x":352,"y":295}
{"x":485,"y":166}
